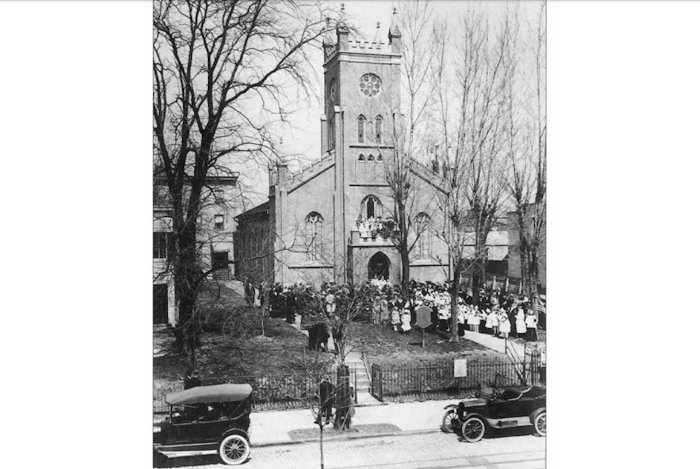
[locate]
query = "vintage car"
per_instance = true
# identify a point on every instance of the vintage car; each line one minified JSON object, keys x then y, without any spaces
{"x":206,"y":420}
{"x":511,"y":408}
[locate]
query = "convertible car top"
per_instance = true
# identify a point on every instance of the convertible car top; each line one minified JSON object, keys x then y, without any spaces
{"x":210,"y":394}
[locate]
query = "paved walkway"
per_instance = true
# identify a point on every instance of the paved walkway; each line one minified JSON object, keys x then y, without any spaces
{"x":273,"y":427}
{"x":498,"y":344}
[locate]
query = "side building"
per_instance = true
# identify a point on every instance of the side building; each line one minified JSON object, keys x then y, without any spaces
{"x":215,"y":227}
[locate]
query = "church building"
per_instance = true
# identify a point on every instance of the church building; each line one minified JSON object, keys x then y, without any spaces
{"x":323,"y":223}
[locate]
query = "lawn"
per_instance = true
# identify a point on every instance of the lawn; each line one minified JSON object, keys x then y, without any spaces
{"x":387,"y":347}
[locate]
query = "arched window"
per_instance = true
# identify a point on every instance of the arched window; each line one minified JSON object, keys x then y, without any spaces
{"x":361,"y":129}
{"x":370,"y":157}
{"x":379,"y":157}
{"x":361,"y":158}
{"x":378,"y":127}
{"x":371,"y":207}
{"x":424,"y":235}
{"x":313,"y":235}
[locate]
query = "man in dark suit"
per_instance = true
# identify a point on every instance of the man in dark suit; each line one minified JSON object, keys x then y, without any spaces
{"x":326,"y":396}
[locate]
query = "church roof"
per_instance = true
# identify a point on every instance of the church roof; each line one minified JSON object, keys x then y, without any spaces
{"x":262,"y":208}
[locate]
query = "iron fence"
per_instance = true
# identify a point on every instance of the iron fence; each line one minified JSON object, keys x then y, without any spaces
{"x":270,"y":392}
{"x":391,"y":383}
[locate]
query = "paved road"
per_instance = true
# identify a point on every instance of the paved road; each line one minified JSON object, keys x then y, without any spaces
{"x":433,"y":450}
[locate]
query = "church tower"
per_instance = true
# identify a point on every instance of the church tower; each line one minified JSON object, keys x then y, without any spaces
{"x":362,"y":84}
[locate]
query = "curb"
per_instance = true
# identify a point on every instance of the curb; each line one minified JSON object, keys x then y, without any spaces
{"x":345,"y":437}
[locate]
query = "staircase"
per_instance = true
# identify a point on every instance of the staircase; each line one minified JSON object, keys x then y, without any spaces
{"x":364,"y":396}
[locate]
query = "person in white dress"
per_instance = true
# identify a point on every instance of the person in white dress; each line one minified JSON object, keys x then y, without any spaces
{"x":520,"y":327}
{"x":395,"y":318}
{"x":406,"y":321}
{"x":504,"y":326}
{"x":495,"y":322}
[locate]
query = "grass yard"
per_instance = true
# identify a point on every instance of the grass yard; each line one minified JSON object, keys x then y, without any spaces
{"x":388,"y":347}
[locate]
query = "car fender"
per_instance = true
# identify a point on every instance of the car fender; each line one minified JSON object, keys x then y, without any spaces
{"x":475,"y":414}
{"x":235,"y":431}
{"x":535,"y":413}
{"x":451,"y":406}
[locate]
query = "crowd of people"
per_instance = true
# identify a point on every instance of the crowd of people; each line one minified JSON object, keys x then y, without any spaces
{"x":495,"y":312}
{"x":370,"y":227}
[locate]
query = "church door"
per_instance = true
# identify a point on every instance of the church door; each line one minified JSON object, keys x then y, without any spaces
{"x":378,"y":266}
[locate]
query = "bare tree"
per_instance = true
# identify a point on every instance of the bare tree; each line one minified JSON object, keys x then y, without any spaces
{"x":407,"y":131}
{"x":525,"y":180}
{"x":470,"y":141}
{"x":220,"y":69}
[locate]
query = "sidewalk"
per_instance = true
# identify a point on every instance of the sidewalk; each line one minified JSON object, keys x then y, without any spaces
{"x":274,"y":427}
{"x":498,"y":344}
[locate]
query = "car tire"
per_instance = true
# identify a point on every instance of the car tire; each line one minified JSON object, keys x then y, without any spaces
{"x":540,"y":423}
{"x":473,"y":429}
{"x":234,"y":449}
{"x":449,"y":420}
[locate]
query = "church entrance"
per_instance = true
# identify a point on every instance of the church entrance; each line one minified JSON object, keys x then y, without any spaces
{"x":378,"y":267}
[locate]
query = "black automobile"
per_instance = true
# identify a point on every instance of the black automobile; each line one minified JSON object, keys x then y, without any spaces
{"x":511,"y":408}
{"x":206,"y":420}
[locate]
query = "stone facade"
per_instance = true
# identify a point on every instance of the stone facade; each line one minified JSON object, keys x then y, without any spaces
{"x":313,"y":231}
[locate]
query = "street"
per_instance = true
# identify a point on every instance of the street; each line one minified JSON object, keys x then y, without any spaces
{"x":431,"y":450}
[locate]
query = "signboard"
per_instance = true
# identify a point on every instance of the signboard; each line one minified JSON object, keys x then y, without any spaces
{"x":423,"y":317}
{"x":460,"y":367}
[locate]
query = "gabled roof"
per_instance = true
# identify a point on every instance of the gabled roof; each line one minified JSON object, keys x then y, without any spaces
{"x":420,"y":170}
{"x":311,"y":172}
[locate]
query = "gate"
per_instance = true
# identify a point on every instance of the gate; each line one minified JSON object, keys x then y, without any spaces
{"x":377,"y":390}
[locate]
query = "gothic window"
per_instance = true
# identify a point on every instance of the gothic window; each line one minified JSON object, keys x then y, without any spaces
{"x":370,"y":157}
{"x":361,"y":158}
{"x":371,"y":207}
{"x":361,"y":129}
{"x":313,"y":234}
{"x":378,"y":124}
{"x":423,"y":244}
{"x":370,"y":84}
{"x":379,"y":157}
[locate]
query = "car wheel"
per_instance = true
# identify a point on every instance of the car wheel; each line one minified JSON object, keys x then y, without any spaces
{"x":541,"y":424}
{"x":234,"y":449}
{"x":450,"y":421}
{"x":473,"y":429}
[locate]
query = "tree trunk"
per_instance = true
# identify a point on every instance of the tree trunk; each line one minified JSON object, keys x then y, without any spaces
{"x":405,"y":273}
{"x":454,"y":291}
{"x":186,"y":280}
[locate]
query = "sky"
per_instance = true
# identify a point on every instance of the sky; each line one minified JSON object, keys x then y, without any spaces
{"x":302,"y":137}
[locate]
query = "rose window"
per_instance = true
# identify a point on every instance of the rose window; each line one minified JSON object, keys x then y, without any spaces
{"x":370,"y":84}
